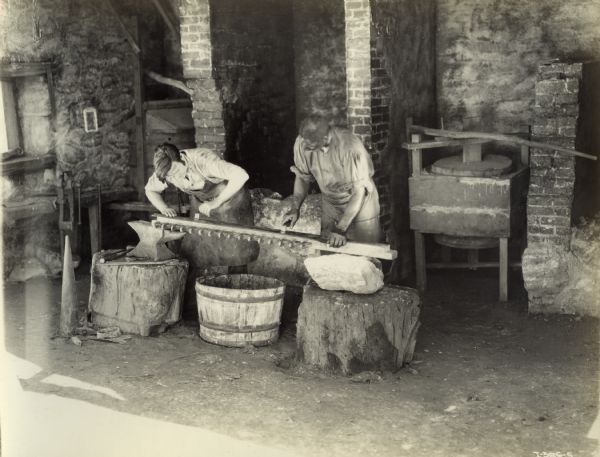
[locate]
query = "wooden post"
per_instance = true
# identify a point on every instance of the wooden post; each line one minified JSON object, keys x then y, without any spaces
{"x":525,"y":155}
{"x":471,"y":152}
{"x":417,"y":155}
{"x":420,"y":265}
{"x":503,"y":269}
{"x":94,"y":230}
{"x":140,"y":125}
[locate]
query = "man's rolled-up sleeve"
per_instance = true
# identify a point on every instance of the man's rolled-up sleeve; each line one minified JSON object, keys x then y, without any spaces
{"x":155,"y":185}
{"x":362,"y":167}
{"x":300,"y":167}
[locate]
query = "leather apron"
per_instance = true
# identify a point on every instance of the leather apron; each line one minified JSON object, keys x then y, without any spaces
{"x":203,"y":251}
{"x":365,"y":227}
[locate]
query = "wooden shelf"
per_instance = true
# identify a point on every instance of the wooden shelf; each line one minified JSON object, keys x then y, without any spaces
{"x":39,"y":205}
{"x":22,"y":69}
{"x":27,"y":164}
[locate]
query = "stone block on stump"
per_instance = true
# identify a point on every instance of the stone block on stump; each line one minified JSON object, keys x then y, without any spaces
{"x":342,"y":331}
{"x":359,"y":275}
{"x":138,"y":296}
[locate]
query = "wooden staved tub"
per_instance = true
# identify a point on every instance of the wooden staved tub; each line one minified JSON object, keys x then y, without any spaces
{"x":239,"y":309}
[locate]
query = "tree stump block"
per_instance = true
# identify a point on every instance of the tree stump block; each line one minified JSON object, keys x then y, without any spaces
{"x":343,"y":331}
{"x":138,"y":296}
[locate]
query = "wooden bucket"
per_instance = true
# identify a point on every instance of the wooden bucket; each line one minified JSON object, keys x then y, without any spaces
{"x":236,"y":310}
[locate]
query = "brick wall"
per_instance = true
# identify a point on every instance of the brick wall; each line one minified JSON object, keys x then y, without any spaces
{"x":381,"y":94}
{"x":196,"y":55}
{"x":550,"y":196}
{"x":553,"y":174}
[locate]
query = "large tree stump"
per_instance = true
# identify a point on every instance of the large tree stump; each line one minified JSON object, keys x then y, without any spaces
{"x":342,"y":331}
{"x":137,"y":295}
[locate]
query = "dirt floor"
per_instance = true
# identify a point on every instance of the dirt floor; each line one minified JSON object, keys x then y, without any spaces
{"x":487,"y":380}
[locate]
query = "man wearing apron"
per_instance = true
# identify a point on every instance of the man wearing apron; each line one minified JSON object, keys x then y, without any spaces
{"x":339,"y":163}
{"x":217,"y":192}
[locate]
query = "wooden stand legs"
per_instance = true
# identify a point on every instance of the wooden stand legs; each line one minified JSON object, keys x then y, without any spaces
{"x":503,"y":269}
{"x":473,"y":263}
{"x":421,"y":272}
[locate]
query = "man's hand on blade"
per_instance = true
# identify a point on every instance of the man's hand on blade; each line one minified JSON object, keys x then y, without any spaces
{"x":169,"y":212}
{"x":336,"y":240}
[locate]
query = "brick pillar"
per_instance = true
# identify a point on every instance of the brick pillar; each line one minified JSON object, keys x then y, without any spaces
{"x":552,"y":183}
{"x":196,"y":54}
{"x":368,"y":91}
{"x":381,"y":94}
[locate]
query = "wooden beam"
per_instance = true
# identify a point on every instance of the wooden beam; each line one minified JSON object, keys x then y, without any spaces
{"x":128,"y":36}
{"x":443,"y":143}
{"x":466,"y":265}
{"x":499,"y":137}
{"x":503,"y":276}
{"x":21,"y":69}
{"x":28,"y":164}
{"x":170,"y":82}
{"x":378,"y":250}
{"x":167,"y":18}
{"x":140,"y":123}
{"x":167,"y":104}
{"x":420,"y":261}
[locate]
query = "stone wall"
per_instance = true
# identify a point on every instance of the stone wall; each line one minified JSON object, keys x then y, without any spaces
{"x":92,"y":65}
{"x":253,"y":65}
{"x":488,"y":52}
{"x":320,"y":61}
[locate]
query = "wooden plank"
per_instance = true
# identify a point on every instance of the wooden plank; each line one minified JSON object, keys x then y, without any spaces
{"x":459,"y":192}
{"x":460,"y":223}
{"x":50,"y":81}
{"x":10,"y":134}
{"x":167,"y":18}
{"x":138,"y":206}
{"x":420,"y":263}
{"x":22,"y":69}
{"x":32,"y":207}
{"x":501,"y":138}
{"x":132,"y":39}
{"x":466,"y":265}
{"x":28,"y":164}
{"x":94,"y":228}
{"x":443,"y":143}
{"x":171,"y":103}
{"x":378,"y":250}
{"x":503,"y":269}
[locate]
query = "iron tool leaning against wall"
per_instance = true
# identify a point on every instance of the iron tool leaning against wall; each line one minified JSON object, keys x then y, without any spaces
{"x":337,"y":160}
{"x":217,"y":192}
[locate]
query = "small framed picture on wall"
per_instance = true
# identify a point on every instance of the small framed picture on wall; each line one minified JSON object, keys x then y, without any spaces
{"x":90,"y":119}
